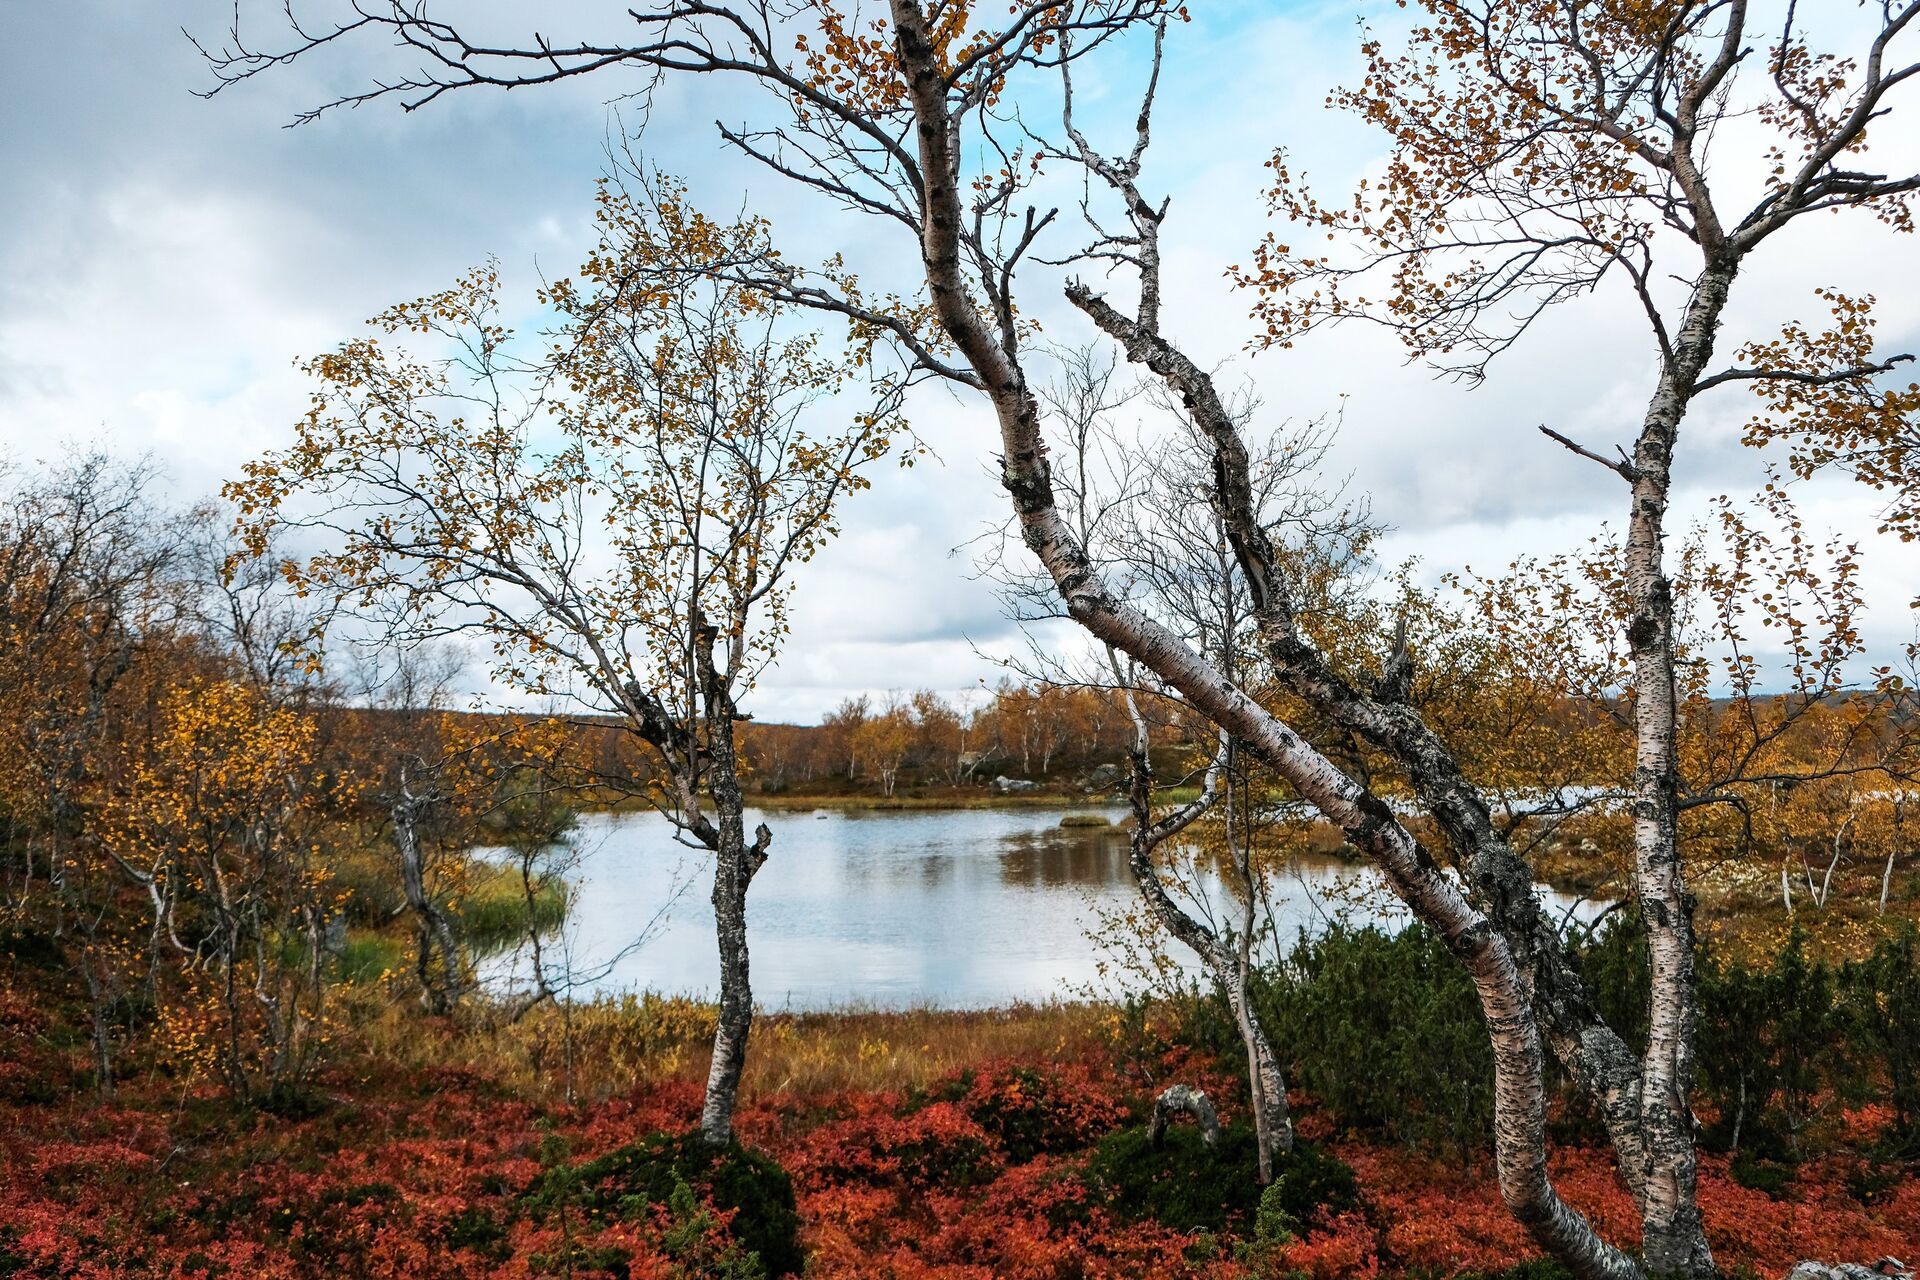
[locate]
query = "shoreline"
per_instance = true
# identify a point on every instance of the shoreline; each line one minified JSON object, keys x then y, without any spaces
{"x":932,"y":804}
{"x":959,"y":801}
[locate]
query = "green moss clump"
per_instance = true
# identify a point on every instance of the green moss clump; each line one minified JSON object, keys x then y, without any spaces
{"x":1538,"y":1269}
{"x":1774,"y":1180}
{"x":634,"y":1179}
{"x":1186,"y":1185}
{"x":1309,"y":1187}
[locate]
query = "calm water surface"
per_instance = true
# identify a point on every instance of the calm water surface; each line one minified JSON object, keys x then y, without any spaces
{"x":957,"y":909}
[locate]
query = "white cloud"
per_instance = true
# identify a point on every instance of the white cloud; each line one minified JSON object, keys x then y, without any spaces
{"x":163,"y":260}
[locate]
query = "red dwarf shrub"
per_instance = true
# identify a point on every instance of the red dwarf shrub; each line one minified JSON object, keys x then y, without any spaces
{"x":938,"y":1145}
{"x":1029,"y":1111}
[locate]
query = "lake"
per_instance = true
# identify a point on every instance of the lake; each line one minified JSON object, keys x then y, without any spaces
{"x":947,"y":908}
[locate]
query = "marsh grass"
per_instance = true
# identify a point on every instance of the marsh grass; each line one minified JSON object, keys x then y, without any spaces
{"x":492,"y":912}
{"x":909,"y":1049}
{"x":368,"y":957}
{"x":606,"y":1046}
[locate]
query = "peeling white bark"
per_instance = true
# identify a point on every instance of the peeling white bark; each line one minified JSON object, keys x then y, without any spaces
{"x":1519,"y":1073}
{"x":1672,"y":1233}
{"x":1178,"y":1100}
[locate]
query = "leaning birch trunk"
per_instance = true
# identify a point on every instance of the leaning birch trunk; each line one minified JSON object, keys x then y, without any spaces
{"x":1599,"y":1061}
{"x":1435,"y":899}
{"x":1673,"y":1236}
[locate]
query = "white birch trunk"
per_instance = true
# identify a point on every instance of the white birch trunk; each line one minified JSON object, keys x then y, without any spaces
{"x":440,"y":993}
{"x":1672,"y":1234}
{"x":1266,"y":1083}
{"x":1519,"y":1063}
{"x":735,"y":863}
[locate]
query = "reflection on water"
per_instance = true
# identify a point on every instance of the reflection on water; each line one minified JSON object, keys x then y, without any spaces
{"x":965,"y":908}
{"x":1057,"y":857}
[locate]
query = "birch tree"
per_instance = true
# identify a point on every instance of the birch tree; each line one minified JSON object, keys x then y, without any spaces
{"x":410,"y":744}
{"x":615,"y":517}
{"x":1138,"y":502}
{"x":1539,"y":150}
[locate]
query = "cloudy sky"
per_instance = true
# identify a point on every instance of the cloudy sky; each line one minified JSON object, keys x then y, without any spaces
{"x":164,"y":259}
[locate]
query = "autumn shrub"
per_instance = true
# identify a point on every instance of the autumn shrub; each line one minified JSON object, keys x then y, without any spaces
{"x":1027,"y":1112}
{"x":636,"y":1180}
{"x":936,"y":1144}
{"x":1384,"y":1031}
{"x":1185,"y":1185}
{"x":1783,"y":1043}
{"x":1771,"y":1053}
{"x":1310,"y":1186}
{"x":1882,"y":1017}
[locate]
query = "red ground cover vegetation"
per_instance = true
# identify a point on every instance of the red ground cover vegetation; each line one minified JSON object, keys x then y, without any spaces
{"x":431,"y":1173}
